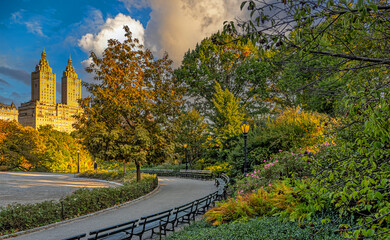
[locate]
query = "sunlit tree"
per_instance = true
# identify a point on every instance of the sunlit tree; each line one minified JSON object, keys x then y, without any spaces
{"x":133,"y":104}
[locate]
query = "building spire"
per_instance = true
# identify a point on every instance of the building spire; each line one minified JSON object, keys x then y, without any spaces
{"x":43,"y":63}
{"x":69,"y":61}
{"x":69,"y":69}
{"x":43,"y":55}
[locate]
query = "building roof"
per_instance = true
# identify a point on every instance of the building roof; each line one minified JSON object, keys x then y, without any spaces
{"x":12,"y":106}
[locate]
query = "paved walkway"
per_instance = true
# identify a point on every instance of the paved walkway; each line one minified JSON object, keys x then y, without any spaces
{"x":173,"y":192}
{"x":30,"y":187}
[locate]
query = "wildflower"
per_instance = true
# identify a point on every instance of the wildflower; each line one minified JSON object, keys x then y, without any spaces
{"x":269,"y":185}
{"x":280,"y":150}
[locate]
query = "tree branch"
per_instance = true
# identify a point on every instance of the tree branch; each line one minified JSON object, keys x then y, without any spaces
{"x":358,"y":58}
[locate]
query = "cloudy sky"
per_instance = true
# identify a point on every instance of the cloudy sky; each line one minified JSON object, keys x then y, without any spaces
{"x":76,"y":27}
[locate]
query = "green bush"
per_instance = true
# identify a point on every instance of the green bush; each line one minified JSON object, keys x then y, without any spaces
{"x":17,"y":217}
{"x":292,"y":129}
{"x":20,"y":217}
{"x":267,"y":228}
{"x":282,"y":165}
{"x":102,"y":174}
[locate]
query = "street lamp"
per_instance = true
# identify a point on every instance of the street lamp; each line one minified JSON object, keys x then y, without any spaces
{"x":185,"y":145}
{"x":245,"y":129}
{"x":78,"y":161}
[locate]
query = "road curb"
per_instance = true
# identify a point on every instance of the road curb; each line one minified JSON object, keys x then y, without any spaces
{"x":52,"y":225}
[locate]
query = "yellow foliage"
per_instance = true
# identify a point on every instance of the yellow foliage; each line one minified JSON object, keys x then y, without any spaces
{"x":220,"y":168}
{"x":312,"y":126}
{"x":263,"y":202}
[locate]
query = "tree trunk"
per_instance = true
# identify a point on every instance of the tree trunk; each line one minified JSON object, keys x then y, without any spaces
{"x":138,"y":172}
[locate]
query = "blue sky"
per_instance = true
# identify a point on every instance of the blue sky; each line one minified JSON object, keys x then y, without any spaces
{"x":76,"y":27}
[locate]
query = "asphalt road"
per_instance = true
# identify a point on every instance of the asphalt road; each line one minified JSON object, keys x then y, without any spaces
{"x":173,"y":192}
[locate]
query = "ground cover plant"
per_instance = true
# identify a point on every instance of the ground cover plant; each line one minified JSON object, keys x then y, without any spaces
{"x":18,"y":217}
{"x":267,"y":228}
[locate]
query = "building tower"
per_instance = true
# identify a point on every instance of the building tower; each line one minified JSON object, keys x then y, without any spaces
{"x":43,"y":110}
{"x":43,"y":82}
{"x":71,"y":86}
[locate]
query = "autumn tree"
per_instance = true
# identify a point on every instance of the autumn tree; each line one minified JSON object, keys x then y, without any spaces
{"x":134,"y":102}
{"x":21,"y":147}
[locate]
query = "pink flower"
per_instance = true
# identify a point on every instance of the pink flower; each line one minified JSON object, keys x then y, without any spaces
{"x":276,"y":161}
{"x":269,"y":185}
{"x":280,"y":150}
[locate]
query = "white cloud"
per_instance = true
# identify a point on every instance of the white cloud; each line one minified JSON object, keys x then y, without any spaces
{"x":111,"y":29}
{"x":174,"y":26}
{"x":33,"y":25}
{"x":86,"y":62}
{"x":177,"y":25}
{"x":138,"y":4}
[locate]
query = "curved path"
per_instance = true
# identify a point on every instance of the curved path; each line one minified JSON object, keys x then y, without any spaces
{"x":173,"y":192}
{"x":30,"y":187}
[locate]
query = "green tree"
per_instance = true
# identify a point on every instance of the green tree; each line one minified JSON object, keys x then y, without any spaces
{"x":353,"y":36}
{"x":225,"y":122}
{"x":133,"y":105}
{"x":193,"y":131}
{"x":63,"y":153}
{"x":228,"y":115}
{"x":234,"y":65}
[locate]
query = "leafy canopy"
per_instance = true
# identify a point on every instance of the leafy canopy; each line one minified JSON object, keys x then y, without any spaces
{"x":133,"y":104}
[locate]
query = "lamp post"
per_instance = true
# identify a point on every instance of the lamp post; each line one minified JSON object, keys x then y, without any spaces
{"x":245,"y":129}
{"x":78,"y":161}
{"x":185,"y":145}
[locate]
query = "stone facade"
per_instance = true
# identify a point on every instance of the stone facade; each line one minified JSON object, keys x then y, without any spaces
{"x":42,"y":109}
{"x":8,"y":112}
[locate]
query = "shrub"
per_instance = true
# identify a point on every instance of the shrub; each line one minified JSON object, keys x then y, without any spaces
{"x":266,"y":201}
{"x":219,"y":168}
{"x":356,"y":180}
{"x":285,"y":164}
{"x":292,"y":129}
{"x":102,"y":174}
